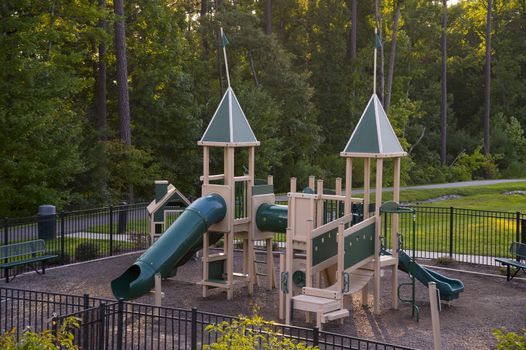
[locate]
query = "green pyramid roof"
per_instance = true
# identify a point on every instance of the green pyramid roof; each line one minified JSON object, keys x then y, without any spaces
{"x":229,"y":126}
{"x":373,"y":136}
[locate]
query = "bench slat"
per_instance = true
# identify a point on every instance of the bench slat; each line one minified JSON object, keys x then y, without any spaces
{"x":518,"y":249}
{"x":20,"y":249}
{"x":27,"y":261}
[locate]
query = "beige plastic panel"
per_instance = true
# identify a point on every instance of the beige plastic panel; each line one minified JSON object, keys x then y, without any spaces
{"x":225,"y":192}
{"x":256,"y":202}
{"x":304,"y":216}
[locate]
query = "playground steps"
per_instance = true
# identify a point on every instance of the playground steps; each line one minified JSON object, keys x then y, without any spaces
{"x":359,"y":279}
{"x":326,"y":304}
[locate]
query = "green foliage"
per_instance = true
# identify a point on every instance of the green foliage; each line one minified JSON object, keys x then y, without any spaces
{"x":474,"y":166}
{"x":300,"y":90}
{"x":510,"y":340}
{"x":86,"y":251}
{"x":248,"y":333}
{"x":45,"y":340}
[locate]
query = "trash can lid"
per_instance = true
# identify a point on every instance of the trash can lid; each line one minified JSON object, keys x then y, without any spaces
{"x":47,"y":209}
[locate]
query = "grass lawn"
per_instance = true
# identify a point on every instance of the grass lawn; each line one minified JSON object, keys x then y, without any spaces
{"x":489,"y":197}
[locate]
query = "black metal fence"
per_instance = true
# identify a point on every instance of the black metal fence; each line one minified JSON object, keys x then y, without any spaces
{"x":467,"y":235}
{"x":474,"y":236}
{"x":107,"y":324}
{"x":84,"y":235}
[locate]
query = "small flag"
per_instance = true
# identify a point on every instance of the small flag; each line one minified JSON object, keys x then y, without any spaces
{"x":377,"y":41}
{"x":224,"y":39}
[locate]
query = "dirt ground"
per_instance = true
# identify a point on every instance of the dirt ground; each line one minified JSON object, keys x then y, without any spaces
{"x":488,"y":302}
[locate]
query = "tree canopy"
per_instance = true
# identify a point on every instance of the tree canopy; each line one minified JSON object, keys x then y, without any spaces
{"x":295,"y":72}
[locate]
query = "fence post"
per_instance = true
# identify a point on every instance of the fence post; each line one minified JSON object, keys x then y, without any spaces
{"x":6,"y":242}
{"x":120,"y":323}
{"x":518,"y":231}
{"x":54,"y":328}
{"x":193,"y":336}
{"x":111,"y":230}
{"x":62,"y":238}
{"x":101,"y":316}
{"x":84,"y":325}
{"x":315,"y":336}
{"x":451,"y":211}
{"x":523,"y":231}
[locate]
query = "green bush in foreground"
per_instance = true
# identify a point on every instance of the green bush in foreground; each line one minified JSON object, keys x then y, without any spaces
{"x":248,"y":333}
{"x":510,"y":340}
{"x":45,"y":340}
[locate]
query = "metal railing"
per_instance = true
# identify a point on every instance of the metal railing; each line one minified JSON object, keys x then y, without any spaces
{"x":107,"y":324}
{"x":468,"y":235}
{"x":83,"y":235}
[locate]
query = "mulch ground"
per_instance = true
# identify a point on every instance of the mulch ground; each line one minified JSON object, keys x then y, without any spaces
{"x":488,"y":302}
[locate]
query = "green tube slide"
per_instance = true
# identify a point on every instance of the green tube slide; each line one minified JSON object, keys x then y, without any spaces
{"x":175,"y":247}
{"x":272,"y":217}
{"x":449,"y":288}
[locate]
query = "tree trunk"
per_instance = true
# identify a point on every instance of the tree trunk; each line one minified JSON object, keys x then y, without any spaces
{"x":354,"y":26}
{"x":392,"y":56}
{"x":379,"y":26}
{"x":268,"y":17}
{"x":100,"y":90}
{"x":443,"y":106}
{"x":487,"y":76}
{"x":122,"y":73}
{"x":204,"y":8}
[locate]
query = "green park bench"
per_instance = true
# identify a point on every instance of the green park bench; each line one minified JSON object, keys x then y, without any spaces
{"x":517,"y":250}
{"x":25,"y":253}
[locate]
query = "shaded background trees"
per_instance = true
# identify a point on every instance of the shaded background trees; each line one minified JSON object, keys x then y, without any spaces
{"x":302,"y":71}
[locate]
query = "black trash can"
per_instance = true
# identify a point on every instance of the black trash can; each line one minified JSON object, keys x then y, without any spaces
{"x":47,"y":224}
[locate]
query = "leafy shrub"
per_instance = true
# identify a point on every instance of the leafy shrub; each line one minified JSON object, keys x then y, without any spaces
{"x":45,"y":340}
{"x":87,"y":251}
{"x":58,"y":260}
{"x":510,"y":340}
{"x":445,"y":261}
{"x":248,"y":333}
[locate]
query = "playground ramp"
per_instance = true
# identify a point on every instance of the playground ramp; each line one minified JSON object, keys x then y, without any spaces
{"x":449,"y":288}
{"x":174,"y":248}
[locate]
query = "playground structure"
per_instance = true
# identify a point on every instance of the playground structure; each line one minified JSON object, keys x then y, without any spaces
{"x":329,"y":255}
{"x":162,"y":211}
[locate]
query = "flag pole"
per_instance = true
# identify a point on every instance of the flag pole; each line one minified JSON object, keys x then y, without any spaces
{"x":374,"y":68}
{"x":224,"y":54}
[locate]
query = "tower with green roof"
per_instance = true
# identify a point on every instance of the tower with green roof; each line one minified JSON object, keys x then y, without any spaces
{"x":374,"y":139}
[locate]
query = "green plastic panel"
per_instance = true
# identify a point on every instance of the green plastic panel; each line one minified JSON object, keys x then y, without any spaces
{"x":219,"y":128}
{"x":388,"y":139}
{"x":242,"y":131}
{"x":324,"y":247}
{"x":262,"y":189}
{"x":359,"y":245}
{"x":229,"y":124}
{"x":365,"y":137}
{"x":216,"y":270}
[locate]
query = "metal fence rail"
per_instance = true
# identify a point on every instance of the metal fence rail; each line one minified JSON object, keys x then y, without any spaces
{"x":106,"y":324}
{"x":473,"y":236}
{"x":84,"y":235}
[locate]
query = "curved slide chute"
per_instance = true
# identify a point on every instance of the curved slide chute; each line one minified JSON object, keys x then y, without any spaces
{"x":175,"y":247}
{"x":449,"y":288}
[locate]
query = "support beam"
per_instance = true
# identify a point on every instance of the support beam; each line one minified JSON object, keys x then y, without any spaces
{"x":378,"y":203}
{"x":366,"y":186}
{"x":394,"y":232}
{"x":348,"y":185}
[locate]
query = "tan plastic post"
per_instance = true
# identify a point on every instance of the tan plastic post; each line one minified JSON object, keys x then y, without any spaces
{"x":292,"y":184}
{"x":312,"y":180}
{"x":366,"y":186}
{"x":158,"y":290}
{"x":378,"y":200}
{"x":435,"y":318}
{"x":270,"y":180}
{"x":394,"y":233}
